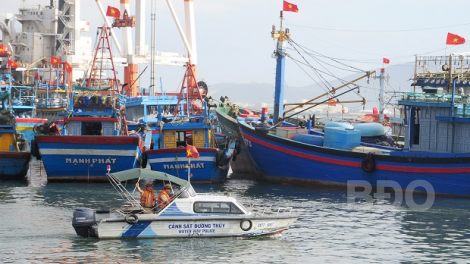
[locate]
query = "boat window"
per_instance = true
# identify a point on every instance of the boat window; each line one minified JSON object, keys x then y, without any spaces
{"x":191,"y":191}
{"x":184,"y":194}
{"x":91,"y":128}
{"x":216,"y":207}
{"x":181,"y":138}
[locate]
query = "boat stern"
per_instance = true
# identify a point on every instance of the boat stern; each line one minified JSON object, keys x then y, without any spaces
{"x":83,"y":221}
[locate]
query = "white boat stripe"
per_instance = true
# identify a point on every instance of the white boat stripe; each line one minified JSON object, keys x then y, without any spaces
{"x":100,"y":152}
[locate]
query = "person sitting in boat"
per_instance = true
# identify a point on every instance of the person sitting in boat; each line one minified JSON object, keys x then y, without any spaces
{"x":54,"y":129}
{"x":147,"y":197}
{"x":164,"y":196}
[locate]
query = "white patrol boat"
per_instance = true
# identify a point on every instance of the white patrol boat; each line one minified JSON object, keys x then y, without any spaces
{"x":189,"y":214}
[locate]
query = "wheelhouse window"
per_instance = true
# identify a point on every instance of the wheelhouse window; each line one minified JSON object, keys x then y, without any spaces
{"x":216,"y":207}
{"x":92,"y":128}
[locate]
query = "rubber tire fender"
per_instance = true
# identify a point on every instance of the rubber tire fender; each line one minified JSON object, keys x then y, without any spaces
{"x":144,"y":160}
{"x":219,"y":158}
{"x":131,"y":219}
{"x":238,"y":147}
{"x":368,"y":163}
{"x":242,"y":223}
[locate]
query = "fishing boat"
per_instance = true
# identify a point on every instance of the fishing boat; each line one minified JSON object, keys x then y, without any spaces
{"x":434,"y":160}
{"x":192,"y":125}
{"x":15,"y":153}
{"x":189,"y":214}
{"x":95,"y":130}
{"x":228,"y":115}
{"x":20,"y":99}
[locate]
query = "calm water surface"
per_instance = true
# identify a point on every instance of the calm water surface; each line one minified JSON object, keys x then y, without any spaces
{"x":36,"y":217}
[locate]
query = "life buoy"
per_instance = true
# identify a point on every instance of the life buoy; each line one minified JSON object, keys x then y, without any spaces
{"x":368,"y":163}
{"x":238,"y":147}
{"x":246,"y":225}
{"x":35,"y":149}
{"x":144,"y":160}
{"x":219,"y":158}
{"x":131,"y":219}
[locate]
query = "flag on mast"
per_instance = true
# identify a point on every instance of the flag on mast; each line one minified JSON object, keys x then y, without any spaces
{"x":191,"y":151}
{"x":12,"y":64}
{"x":113,"y":12}
{"x":290,"y":7}
{"x":55,"y":60}
{"x":453,"y":39}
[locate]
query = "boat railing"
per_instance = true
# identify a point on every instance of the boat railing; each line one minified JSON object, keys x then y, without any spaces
{"x":269,"y":210}
{"x":435,"y":97}
{"x":52,"y":103}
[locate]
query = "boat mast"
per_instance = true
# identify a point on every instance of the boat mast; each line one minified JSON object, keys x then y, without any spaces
{"x":281,"y":36}
{"x":381,"y":97}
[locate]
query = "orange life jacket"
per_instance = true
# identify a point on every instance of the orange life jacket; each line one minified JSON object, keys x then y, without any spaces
{"x":161,"y":201}
{"x":145,"y":196}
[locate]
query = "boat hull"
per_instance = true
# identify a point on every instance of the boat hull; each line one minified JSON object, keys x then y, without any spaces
{"x":161,"y":227}
{"x":229,"y":126}
{"x":14,"y":165}
{"x":85,"y":158}
{"x":208,"y":168}
{"x":287,"y":161}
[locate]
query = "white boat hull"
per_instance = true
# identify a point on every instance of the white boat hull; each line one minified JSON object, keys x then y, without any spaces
{"x":150,"y":226}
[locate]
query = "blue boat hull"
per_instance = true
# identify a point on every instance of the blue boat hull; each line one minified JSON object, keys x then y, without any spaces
{"x":14,"y":165}
{"x":85,"y":158}
{"x":208,"y":168}
{"x":284,"y":160}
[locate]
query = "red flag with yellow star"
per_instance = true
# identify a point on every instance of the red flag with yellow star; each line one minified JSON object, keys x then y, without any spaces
{"x":453,"y":39}
{"x":191,"y":151}
{"x":113,"y":12}
{"x":12,"y":64}
{"x":68,"y":67}
{"x":290,"y":7}
{"x":55,"y":60}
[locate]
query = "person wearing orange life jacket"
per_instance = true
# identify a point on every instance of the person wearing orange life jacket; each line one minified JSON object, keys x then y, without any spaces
{"x":147,"y":197}
{"x":164,"y":196}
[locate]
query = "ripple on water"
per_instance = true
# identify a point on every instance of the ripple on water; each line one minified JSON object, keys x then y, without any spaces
{"x":330,"y":230}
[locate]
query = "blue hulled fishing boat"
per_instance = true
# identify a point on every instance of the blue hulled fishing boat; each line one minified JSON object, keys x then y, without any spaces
{"x":434,"y":159}
{"x":15,"y":153}
{"x":192,"y":125}
{"x":95,"y":132}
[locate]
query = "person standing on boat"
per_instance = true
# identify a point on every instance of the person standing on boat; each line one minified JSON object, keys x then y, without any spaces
{"x":164,"y":196}
{"x":54,"y":129}
{"x":147,"y":197}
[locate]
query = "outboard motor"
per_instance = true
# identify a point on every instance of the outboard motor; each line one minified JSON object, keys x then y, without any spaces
{"x":82,"y":222}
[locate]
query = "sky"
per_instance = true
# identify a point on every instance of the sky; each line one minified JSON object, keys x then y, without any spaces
{"x":234,"y":43}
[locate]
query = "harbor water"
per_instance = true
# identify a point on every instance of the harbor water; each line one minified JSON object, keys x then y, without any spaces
{"x":36,"y":217}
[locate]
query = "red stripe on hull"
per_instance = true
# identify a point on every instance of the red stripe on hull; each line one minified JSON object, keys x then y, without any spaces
{"x":15,"y":155}
{"x":358,"y":164}
{"x":92,"y":119}
{"x":173,"y":150}
{"x":122,"y":140}
{"x":31,"y":120}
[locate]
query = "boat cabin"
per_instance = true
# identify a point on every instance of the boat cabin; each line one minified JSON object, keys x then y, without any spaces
{"x":195,"y":132}
{"x":437,"y":119}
